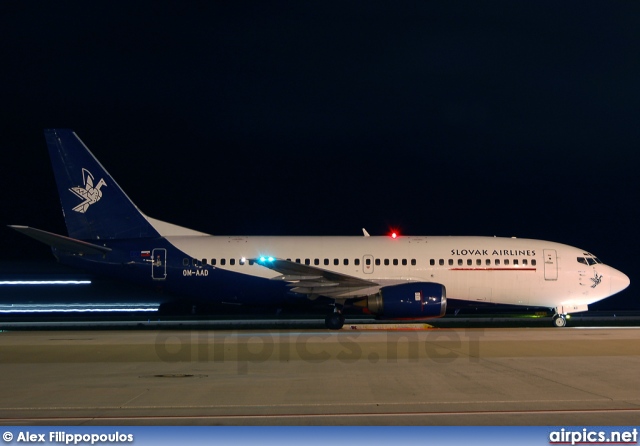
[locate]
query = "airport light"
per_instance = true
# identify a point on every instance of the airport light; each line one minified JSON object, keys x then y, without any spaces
{"x":78,"y":308}
{"x":45,"y":282}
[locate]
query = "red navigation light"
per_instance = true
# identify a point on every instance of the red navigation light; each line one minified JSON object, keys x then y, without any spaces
{"x":393,"y":232}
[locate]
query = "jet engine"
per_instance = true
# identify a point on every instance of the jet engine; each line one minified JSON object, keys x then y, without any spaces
{"x":410,"y":300}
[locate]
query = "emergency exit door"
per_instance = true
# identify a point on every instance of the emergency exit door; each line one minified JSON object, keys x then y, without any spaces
{"x":550,"y":264}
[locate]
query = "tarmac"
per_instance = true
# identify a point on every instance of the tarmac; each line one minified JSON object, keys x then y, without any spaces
{"x":361,"y":375}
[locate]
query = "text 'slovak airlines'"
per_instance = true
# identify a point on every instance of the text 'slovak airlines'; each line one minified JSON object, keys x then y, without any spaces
{"x":401,"y":278}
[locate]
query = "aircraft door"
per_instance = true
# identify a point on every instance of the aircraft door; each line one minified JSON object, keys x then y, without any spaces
{"x":550,"y":264}
{"x":159,"y":264}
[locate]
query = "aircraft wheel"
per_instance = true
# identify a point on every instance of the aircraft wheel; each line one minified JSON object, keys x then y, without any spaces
{"x":559,"y":321}
{"x":334,"y":321}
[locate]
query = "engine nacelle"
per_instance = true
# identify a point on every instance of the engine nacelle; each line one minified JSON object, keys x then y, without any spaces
{"x":409,"y":300}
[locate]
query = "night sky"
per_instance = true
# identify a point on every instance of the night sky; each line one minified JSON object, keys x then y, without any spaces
{"x":320,"y":118}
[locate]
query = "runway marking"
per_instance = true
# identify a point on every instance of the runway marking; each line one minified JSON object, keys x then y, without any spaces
{"x":316,"y":405}
{"x":328,"y":415}
{"x":137,"y":396}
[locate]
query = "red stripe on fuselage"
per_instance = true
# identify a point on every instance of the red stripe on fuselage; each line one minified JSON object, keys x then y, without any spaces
{"x":492,"y":269}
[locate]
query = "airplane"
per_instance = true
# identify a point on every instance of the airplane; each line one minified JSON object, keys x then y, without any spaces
{"x":388,"y":277}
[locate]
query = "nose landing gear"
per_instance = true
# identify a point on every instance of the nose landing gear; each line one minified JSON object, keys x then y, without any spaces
{"x":559,"y":320}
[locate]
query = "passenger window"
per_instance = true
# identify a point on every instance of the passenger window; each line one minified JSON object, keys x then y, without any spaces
{"x":242,"y":261}
{"x":213,"y":262}
{"x":377,"y":262}
{"x":469,"y":262}
{"x":250,"y":262}
{"x":326,"y":261}
{"x":497,"y":261}
{"x":367,"y":261}
{"x":432,"y":262}
{"x":506,"y":261}
{"x":223,"y":261}
{"x":395,"y":262}
{"x":307,"y":261}
{"x":232,"y":261}
{"x":441,"y":262}
{"x":346,"y":262}
{"x":185,"y":262}
{"x":525,"y":262}
{"x":316,"y":261}
{"x":204,"y":261}
{"x":533,"y":262}
{"x":336,"y":262}
{"x":356,"y":262}
{"x":450,"y":262}
{"x":487,"y":262}
{"x":515,"y":262}
{"x":459,"y":262}
{"x":413,"y":262}
{"x":478,"y":262}
{"x":404,"y":262}
{"x":386,"y":262}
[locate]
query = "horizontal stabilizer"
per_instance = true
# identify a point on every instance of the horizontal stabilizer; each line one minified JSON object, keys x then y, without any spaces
{"x":61,"y":242}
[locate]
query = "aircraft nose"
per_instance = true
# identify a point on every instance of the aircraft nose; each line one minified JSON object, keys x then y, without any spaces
{"x":619,"y":281}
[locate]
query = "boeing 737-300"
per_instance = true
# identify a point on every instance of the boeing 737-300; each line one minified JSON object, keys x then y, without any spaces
{"x":391,"y":278}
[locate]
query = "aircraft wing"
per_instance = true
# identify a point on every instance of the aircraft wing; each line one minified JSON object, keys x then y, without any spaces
{"x":307,"y":279}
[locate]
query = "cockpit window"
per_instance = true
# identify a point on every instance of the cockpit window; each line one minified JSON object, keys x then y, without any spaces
{"x":591,"y":260}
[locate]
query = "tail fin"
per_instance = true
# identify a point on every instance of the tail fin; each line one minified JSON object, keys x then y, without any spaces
{"x":94,"y":206}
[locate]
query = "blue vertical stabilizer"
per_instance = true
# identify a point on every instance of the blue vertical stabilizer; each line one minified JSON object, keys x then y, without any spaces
{"x":94,"y":206}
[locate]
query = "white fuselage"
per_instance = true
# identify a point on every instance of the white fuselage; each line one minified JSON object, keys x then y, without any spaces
{"x":484,"y":269}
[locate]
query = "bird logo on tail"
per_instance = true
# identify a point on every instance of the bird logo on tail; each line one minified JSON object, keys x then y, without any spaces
{"x":88,"y":193}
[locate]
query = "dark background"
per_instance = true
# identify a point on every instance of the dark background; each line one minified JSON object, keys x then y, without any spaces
{"x":320,"y":118}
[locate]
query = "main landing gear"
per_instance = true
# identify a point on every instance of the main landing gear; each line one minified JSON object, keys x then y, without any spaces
{"x":335,"y":320}
{"x":559,"y":320}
